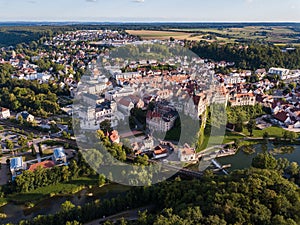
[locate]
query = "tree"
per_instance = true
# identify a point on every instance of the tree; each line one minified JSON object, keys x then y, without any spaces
{"x":10,"y":145}
{"x":33,"y":151}
{"x":292,"y":136}
{"x":67,"y":206}
{"x":264,"y":161}
{"x":105,"y":126}
{"x":266,"y":135}
{"x":30,"y":136}
{"x":251,"y":126}
{"x":293,"y":169}
{"x":22,"y":141}
{"x":292,"y":85}
{"x":75,"y":222}
{"x":40,"y":149}
{"x":101,"y":180}
{"x":285,"y":135}
{"x":74,"y":169}
{"x":20,"y":120}
{"x":237,"y":143}
{"x":239,"y":125}
{"x":142,"y":160}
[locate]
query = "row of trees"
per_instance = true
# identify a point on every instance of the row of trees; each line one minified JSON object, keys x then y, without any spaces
{"x":242,"y":114}
{"x":250,"y":56}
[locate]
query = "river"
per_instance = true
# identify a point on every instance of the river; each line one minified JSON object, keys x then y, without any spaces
{"x":15,"y":213}
{"x":242,"y":160}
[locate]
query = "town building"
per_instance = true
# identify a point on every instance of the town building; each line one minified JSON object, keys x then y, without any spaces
{"x":186,"y":154}
{"x":160,"y":152}
{"x":26,"y":116}
{"x":91,"y":99}
{"x":16,"y":167}
{"x":161,"y":122}
{"x":59,"y":156}
{"x":283,"y":118}
{"x":4,"y":113}
{"x":114,"y":137}
{"x":281,"y":72}
{"x":242,"y":99}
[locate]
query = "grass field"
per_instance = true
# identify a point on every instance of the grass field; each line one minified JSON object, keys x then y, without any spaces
{"x":210,"y":141}
{"x":272,"y":131}
{"x":231,"y":137}
{"x":279,"y":35}
{"x":39,"y":194}
{"x":163,"y":35}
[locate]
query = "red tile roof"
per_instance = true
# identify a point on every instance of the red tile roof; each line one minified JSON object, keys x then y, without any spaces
{"x":114,"y":136}
{"x":281,"y":116}
{"x":45,"y":164}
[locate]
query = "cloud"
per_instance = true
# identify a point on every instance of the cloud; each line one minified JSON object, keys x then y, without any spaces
{"x":91,"y":0}
{"x":249,"y":1}
{"x":138,"y":1}
{"x":31,"y":1}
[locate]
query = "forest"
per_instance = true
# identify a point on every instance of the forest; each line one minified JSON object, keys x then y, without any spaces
{"x":248,"y":56}
{"x":258,"y":195}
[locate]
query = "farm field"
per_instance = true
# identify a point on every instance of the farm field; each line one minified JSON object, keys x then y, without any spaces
{"x":164,"y":35}
{"x":279,"y":35}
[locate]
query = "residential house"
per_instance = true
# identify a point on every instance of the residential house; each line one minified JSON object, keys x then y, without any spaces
{"x":59,"y":156}
{"x":160,"y":152}
{"x":26,"y":116}
{"x":186,"y":154}
{"x":114,"y":137}
{"x":297,"y":125}
{"x":4,"y":113}
{"x":16,"y":167}
{"x":283,"y":118}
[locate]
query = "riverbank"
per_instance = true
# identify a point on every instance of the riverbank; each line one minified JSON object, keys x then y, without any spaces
{"x":52,"y":204}
{"x":243,"y":160}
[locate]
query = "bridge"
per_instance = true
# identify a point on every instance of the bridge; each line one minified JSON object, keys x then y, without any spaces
{"x":177,"y":169}
{"x":219,"y":166}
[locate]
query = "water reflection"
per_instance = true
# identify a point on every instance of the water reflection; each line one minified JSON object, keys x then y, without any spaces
{"x":243,"y":160}
{"x":15,"y":213}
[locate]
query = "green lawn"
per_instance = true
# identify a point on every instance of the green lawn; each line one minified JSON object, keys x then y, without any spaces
{"x":3,"y":202}
{"x":39,"y":194}
{"x":272,"y":131}
{"x":210,"y":141}
{"x":231,"y":136}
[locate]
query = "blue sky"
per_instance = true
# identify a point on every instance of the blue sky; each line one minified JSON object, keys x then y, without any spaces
{"x":150,"y":10}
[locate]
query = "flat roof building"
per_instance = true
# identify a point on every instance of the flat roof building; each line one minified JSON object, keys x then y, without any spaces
{"x":59,"y":156}
{"x":16,"y":166}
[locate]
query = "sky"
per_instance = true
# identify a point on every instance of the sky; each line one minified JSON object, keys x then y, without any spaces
{"x":151,"y":10}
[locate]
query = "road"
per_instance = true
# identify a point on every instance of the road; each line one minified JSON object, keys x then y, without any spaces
{"x":128,"y":215}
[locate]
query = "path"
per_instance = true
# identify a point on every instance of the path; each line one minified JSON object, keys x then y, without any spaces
{"x":3,"y":171}
{"x":128,"y":215}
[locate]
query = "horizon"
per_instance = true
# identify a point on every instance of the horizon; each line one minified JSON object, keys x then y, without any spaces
{"x":148,"y":22}
{"x":150,"y":11}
